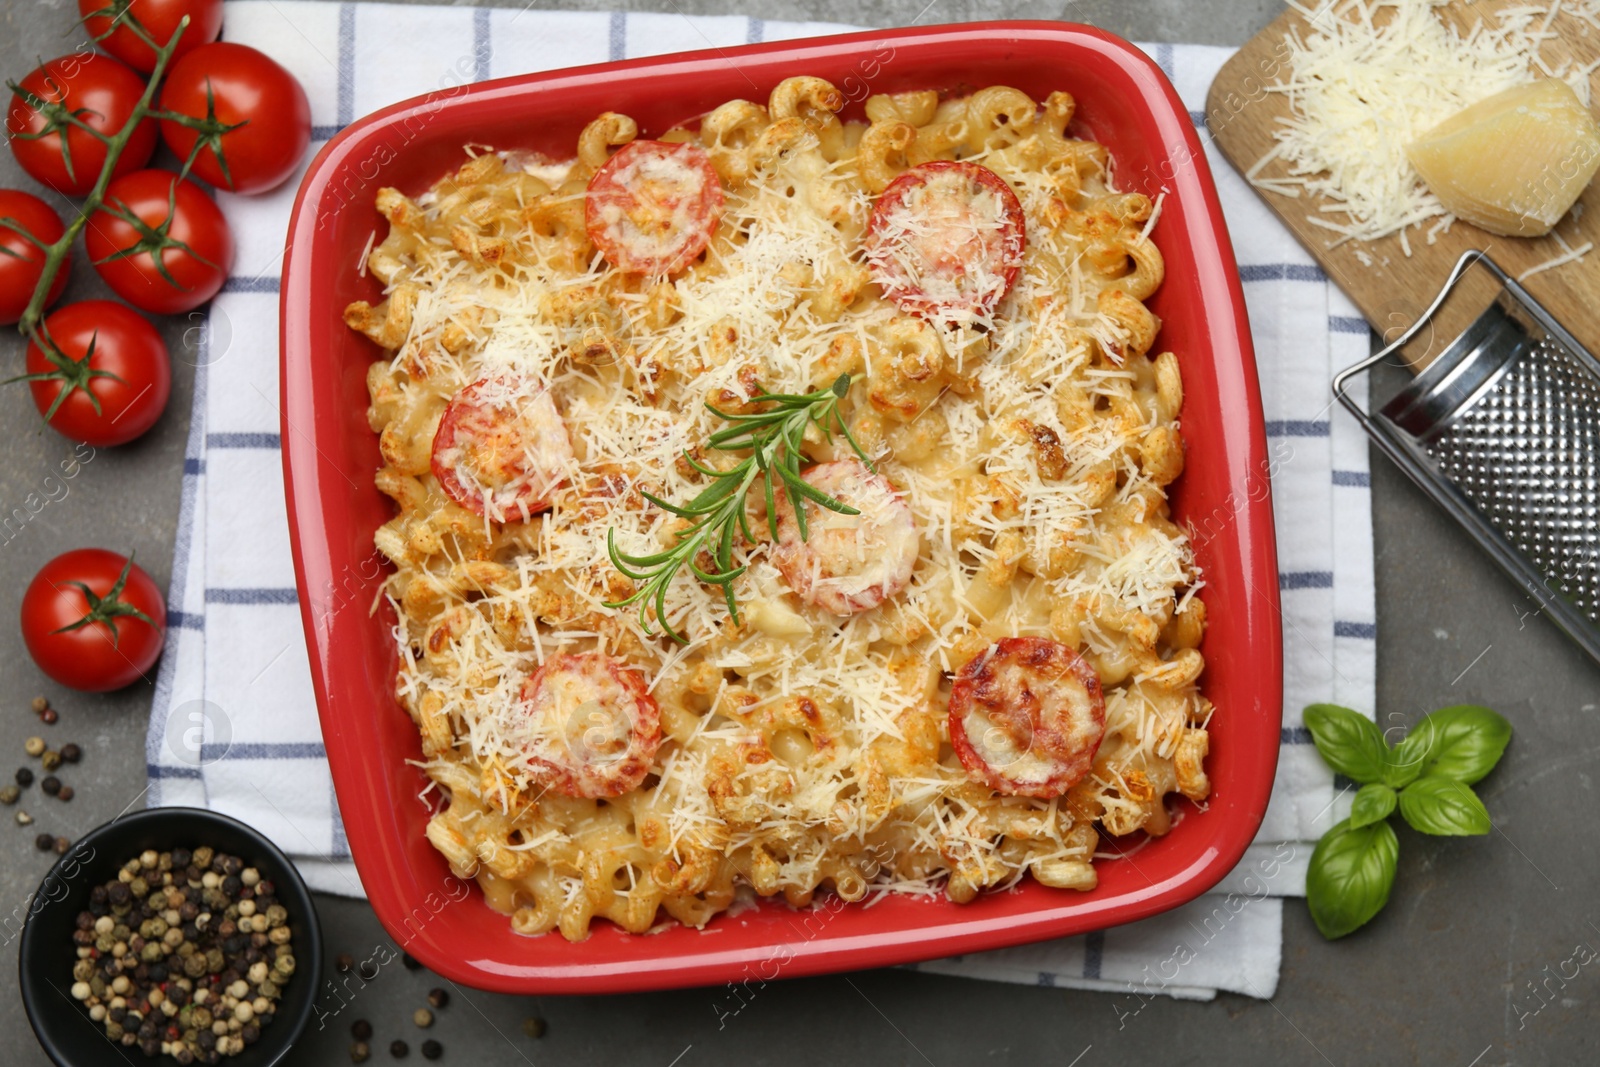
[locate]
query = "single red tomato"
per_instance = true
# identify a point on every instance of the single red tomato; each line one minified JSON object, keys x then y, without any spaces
{"x":92,"y":620}
{"x":107,"y":23}
{"x":254,"y":121}
{"x":104,"y":377}
{"x":21,"y":260}
{"x":160,"y":242}
{"x":945,"y":241}
{"x":97,"y":91}
{"x":652,"y":207}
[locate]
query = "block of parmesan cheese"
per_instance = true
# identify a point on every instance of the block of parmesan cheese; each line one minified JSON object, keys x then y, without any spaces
{"x":1514,"y":162}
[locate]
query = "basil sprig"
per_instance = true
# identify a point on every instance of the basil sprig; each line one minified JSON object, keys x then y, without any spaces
{"x":1428,"y":776}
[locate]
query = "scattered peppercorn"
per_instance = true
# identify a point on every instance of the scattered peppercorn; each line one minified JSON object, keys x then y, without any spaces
{"x":65,"y":793}
{"x":533,"y":1027}
{"x":343,"y":963}
{"x":175,"y":959}
{"x":71,"y":753}
{"x":361,"y":1030}
{"x":44,"y":842}
{"x":62,"y":846}
{"x":34,"y":746}
{"x":24,"y":819}
{"x":51,"y":759}
{"x":422,"y":1017}
{"x":410,"y":961}
{"x":39,"y":704}
{"x":49,"y":715}
{"x":359,"y":1052}
{"x":438,"y":998}
{"x":399,"y":1049}
{"x":24,"y":777}
{"x":432,"y":1050}
{"x":51,"y":785}
{"x":9,"y":793}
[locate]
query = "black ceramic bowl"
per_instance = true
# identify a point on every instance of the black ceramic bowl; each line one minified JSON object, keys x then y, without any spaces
{"x":47,"y":954}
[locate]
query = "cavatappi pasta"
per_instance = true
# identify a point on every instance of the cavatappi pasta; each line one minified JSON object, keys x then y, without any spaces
{"x":1024,"y":446}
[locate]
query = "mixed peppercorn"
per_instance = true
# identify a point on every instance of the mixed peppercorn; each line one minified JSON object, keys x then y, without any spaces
{"x":423,"y":1018}
{"x":185,"y":953}
{"x":51,"y":760}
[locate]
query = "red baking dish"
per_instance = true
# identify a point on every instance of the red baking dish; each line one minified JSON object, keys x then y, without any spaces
{"x":330,"y":455}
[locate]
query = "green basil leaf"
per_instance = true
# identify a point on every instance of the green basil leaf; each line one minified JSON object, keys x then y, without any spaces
{"x":1444,"y":807}
{"x":1373,"y":804}
{"x":1349,"y":742}
{"x":1463,"y":742}
{"x":1351,"y":873}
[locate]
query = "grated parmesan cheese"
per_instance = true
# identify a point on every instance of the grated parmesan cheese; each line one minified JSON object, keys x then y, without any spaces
{"x":999,"y":545}
{"x":1371,"y":77}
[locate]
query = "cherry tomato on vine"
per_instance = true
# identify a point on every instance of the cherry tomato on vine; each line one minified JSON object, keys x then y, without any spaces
{"x":21,"y":260}
{"x":160,"y":20}
{"x":160,"y":242}
{"x":93,"y":620}
{"x":251,"y":119}
{"x":102,"y":375}
{"x":99,"y":92}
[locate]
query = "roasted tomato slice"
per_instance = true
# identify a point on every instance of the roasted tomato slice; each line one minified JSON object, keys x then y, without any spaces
{"x":590,"y":727}
{"x":945,"y":241}
{"x":848,"y":563}
{"x":501,"y":449}
{"x":653,"y":206}
{"x":1027,"y":717}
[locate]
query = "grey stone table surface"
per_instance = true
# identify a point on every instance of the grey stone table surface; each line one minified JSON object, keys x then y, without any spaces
{"x":1467,"y":966}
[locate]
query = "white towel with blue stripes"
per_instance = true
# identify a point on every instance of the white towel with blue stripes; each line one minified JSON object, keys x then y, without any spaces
{"x":234,"y":724}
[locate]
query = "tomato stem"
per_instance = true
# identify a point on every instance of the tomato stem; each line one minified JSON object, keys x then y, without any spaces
{"x":17,"y":228}
{"x":71,"y":373}
{"x":120,"y":11}
{"x":107,"y":609}
{"x":209,"y":132}
{"x":57,"y":118}
{"x":55,"y":255}
{"x":156,"y":240}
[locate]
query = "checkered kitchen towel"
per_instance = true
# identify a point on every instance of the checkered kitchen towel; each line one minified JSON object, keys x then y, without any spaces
{"x":234,"y":724}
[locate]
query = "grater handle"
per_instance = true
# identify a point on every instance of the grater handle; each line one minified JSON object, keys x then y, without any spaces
{"x":1467,"y":260}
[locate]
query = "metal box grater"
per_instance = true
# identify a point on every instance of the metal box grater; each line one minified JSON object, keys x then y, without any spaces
{"x":1502,"y":430}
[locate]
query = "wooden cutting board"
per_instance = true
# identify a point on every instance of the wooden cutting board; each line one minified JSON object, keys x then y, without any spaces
{"x":1394,"y":290}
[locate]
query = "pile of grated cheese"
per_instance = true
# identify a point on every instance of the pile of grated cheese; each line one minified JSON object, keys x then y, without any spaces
{"x":1373,"y":76}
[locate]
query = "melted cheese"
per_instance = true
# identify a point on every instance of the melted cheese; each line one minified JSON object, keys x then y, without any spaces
{"x":800,"y":746}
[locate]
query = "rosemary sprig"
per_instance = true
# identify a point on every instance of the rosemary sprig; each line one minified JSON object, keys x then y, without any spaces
{"x":773,"y":437}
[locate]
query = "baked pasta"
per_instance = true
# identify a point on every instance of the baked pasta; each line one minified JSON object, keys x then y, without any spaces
{"x":983,"y":655}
